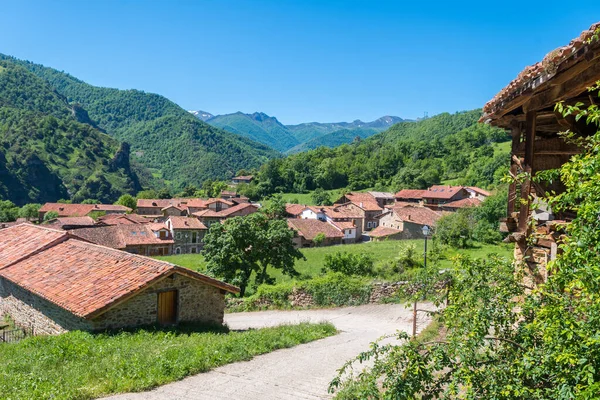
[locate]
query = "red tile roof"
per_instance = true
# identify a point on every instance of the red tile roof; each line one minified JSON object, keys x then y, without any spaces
{"x":218,"y":200}
{"x":468,"y":202}
{"x":364,"y":200}
{"x":479,"y":190}
{"x":417,"y":215}
{"x":72,"y":221}
{"x":224,"y":213}
{"x":341,"y":212}
{"x":121,"y":236}
{"x":186,"y":223}
{"x":343,"y":225}
{"x":125,"y":219}
{"x":68,"y":210}
{"x":537,"y":74}
{"x":309,"y":228}
{"x":410,"y":194}
{"x":442,"y":192}
{"x":84,"y":278}
{"x":295,"y":209}
{"x":20,"y":240}
{"x":111,"y":207}
{"x":382,"y":231}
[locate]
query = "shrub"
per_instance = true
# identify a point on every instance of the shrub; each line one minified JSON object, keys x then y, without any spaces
{"x":349,"y":264}
{"x":456,"y":229}
{"x":319,"y":239}
{"x":50,"y":215}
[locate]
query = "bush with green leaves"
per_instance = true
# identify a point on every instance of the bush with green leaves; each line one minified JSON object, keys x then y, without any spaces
{"x":456,"y":229}
{"x":349,"y":263}
{"x":50,"y":215}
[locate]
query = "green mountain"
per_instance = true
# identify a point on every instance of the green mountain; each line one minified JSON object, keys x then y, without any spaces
{"x":294,"y":138}
{"x":258,"y":127}
{"x":334,"y":139}
{"x":176,"y":146}
{"x":48,"y":148}
{"x":446,"y":148}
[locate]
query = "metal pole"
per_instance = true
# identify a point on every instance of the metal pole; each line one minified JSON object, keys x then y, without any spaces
{"x":425,"y":254}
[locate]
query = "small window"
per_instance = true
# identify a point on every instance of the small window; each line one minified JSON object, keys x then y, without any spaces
{"x":194,"y":237}
{"x":178,"y":250}
{"x":368,"y":224}
{"x":193,"y":250}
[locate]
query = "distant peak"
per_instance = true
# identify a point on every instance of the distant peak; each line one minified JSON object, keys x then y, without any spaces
{"x":202,"y":115}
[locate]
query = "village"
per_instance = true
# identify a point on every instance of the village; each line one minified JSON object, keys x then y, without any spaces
{"x":101,"y":299}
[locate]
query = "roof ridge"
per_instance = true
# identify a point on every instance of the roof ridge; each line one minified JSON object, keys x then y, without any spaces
{"x":64,"y":236}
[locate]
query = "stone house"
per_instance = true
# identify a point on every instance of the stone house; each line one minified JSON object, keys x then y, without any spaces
{"x":477,"y":193}
{"x":459,"y":204}
{"x":53,"y":283}
{"x":383,"y":199}
{"x":348,"y":229}
{"x":124,"y":219}
{"x":346,"y":214}
{"x":364,"y":204}
{"x":188,"y":233}
{"x":382,"y":233}
{"x":154,"y":207}
{"x":68,"y":223}
{"x":442,"y":194}
{"x":408,"y":222}
{"x":307,"y":229}
{"x":410,"y":196}
{"x":242,"y":179}
{"x":209,"y":216}
{"x":151,"y":239}
{"x":80,"y":210}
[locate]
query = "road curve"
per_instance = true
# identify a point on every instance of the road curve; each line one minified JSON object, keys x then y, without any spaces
{"x":301,"y":372}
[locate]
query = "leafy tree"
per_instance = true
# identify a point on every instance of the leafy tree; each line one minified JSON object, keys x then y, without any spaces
{"x":321,"y":197}
{"x":29,"y":211}
{"x":349,"y":264}
{"x":147,"y":194}
{"x":8,"y":211}
{"x":243,"y":246}
{"x":164,"y":194}
{"x":456,"y":229}
{"x":50,"y":215}
{"x":503,"y":339}
{"x":90,"y":201}
{"x":319,"y":239}
{"x":127,"y":200}
{"x":275,"y":208}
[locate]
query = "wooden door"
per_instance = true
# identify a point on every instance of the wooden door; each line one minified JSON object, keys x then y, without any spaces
{"x":167,"y":307}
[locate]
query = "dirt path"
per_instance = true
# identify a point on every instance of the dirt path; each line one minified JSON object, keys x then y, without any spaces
{"x":302,"y":372}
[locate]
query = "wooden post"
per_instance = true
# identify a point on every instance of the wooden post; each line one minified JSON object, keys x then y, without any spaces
{"x":528,"y":167}
{"x":414,"y":333}
{"x":512,"y":188}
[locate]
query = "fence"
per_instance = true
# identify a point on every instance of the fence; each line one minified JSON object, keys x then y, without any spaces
{"x":15,"y":335}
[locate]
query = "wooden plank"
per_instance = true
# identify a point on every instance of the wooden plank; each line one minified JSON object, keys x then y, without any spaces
{"x":527,"y":167}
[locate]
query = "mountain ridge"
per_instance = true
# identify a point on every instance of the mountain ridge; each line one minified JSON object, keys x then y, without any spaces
{"x":288,"y":139}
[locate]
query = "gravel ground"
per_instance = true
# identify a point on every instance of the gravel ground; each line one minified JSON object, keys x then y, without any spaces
{"x":301,"y":372}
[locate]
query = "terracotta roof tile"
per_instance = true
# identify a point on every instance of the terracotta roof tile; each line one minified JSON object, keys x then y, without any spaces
{"x":479,"y":190}
{"x":118,"y":219}
{"x":295,"y":209}
{"x":72,"y":221}
{"x":226,"y":213}
{"x":442,"y":192}
{"x":538,"y":73}
{"x":417,"y":215}
{"x":86,"y":279}
{"x":21,"y":240}
{"x":468,"y":202}
{"x":343,"y":225}
{"x":68,"y":210}
{"x":309,"y":228}
{"x":121,"y":236}
{"x":382,"y":231}
{"x":186,"y":223}
{"x":364,"y":200}
{"x":410,"y":194}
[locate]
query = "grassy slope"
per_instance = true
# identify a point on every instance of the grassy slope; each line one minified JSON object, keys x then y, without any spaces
{"x":382,"y":252}
{"x":80,"y":365}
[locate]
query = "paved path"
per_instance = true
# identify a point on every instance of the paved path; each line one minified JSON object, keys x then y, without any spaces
{"x":301,"y":372}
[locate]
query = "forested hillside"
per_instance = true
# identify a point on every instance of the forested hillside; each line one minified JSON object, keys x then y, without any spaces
{"x":334,"y":139}
{"x":175,"y":145}
{"x":49,"y":152}
{"x":446,"y":147}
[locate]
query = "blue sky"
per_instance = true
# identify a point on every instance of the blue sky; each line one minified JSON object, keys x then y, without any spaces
{"x":297,"y":60}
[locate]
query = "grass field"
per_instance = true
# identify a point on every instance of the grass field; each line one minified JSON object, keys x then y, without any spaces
{"x":79,"y":365}
{"x":382,"y":252}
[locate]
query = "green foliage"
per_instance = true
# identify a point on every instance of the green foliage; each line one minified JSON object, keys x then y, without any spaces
{"x":8,"y":211}
{"x":47,"y":152}
{"x":275,"y":208}
{"x":30,"y":211}
{"x":456,"y":229}
{"x":214,"y":188}
{"x":408,"y":155}
{"x":319,"y":239}
{"x":127,"y":200}
{"x":321,"y":197}
{"x":505,"y":340}
{"x":50,"y":215}
{"x":332,"y":289}
{"x":242,"y":246}
{"x":164,"y":137}
{"x":90,"y":201}
{"x":349,"y":264}
{"x":79,"y":365}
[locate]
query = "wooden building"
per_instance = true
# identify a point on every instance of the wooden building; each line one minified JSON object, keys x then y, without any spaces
{"x":526,"y":108}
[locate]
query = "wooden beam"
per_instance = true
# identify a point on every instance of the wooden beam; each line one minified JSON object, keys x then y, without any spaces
{"x":530,"y":119}
{"x":512,"y":188}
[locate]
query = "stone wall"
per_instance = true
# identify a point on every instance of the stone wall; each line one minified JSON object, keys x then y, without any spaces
{"x":28,"y":310}
{"x":196,"y":302}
